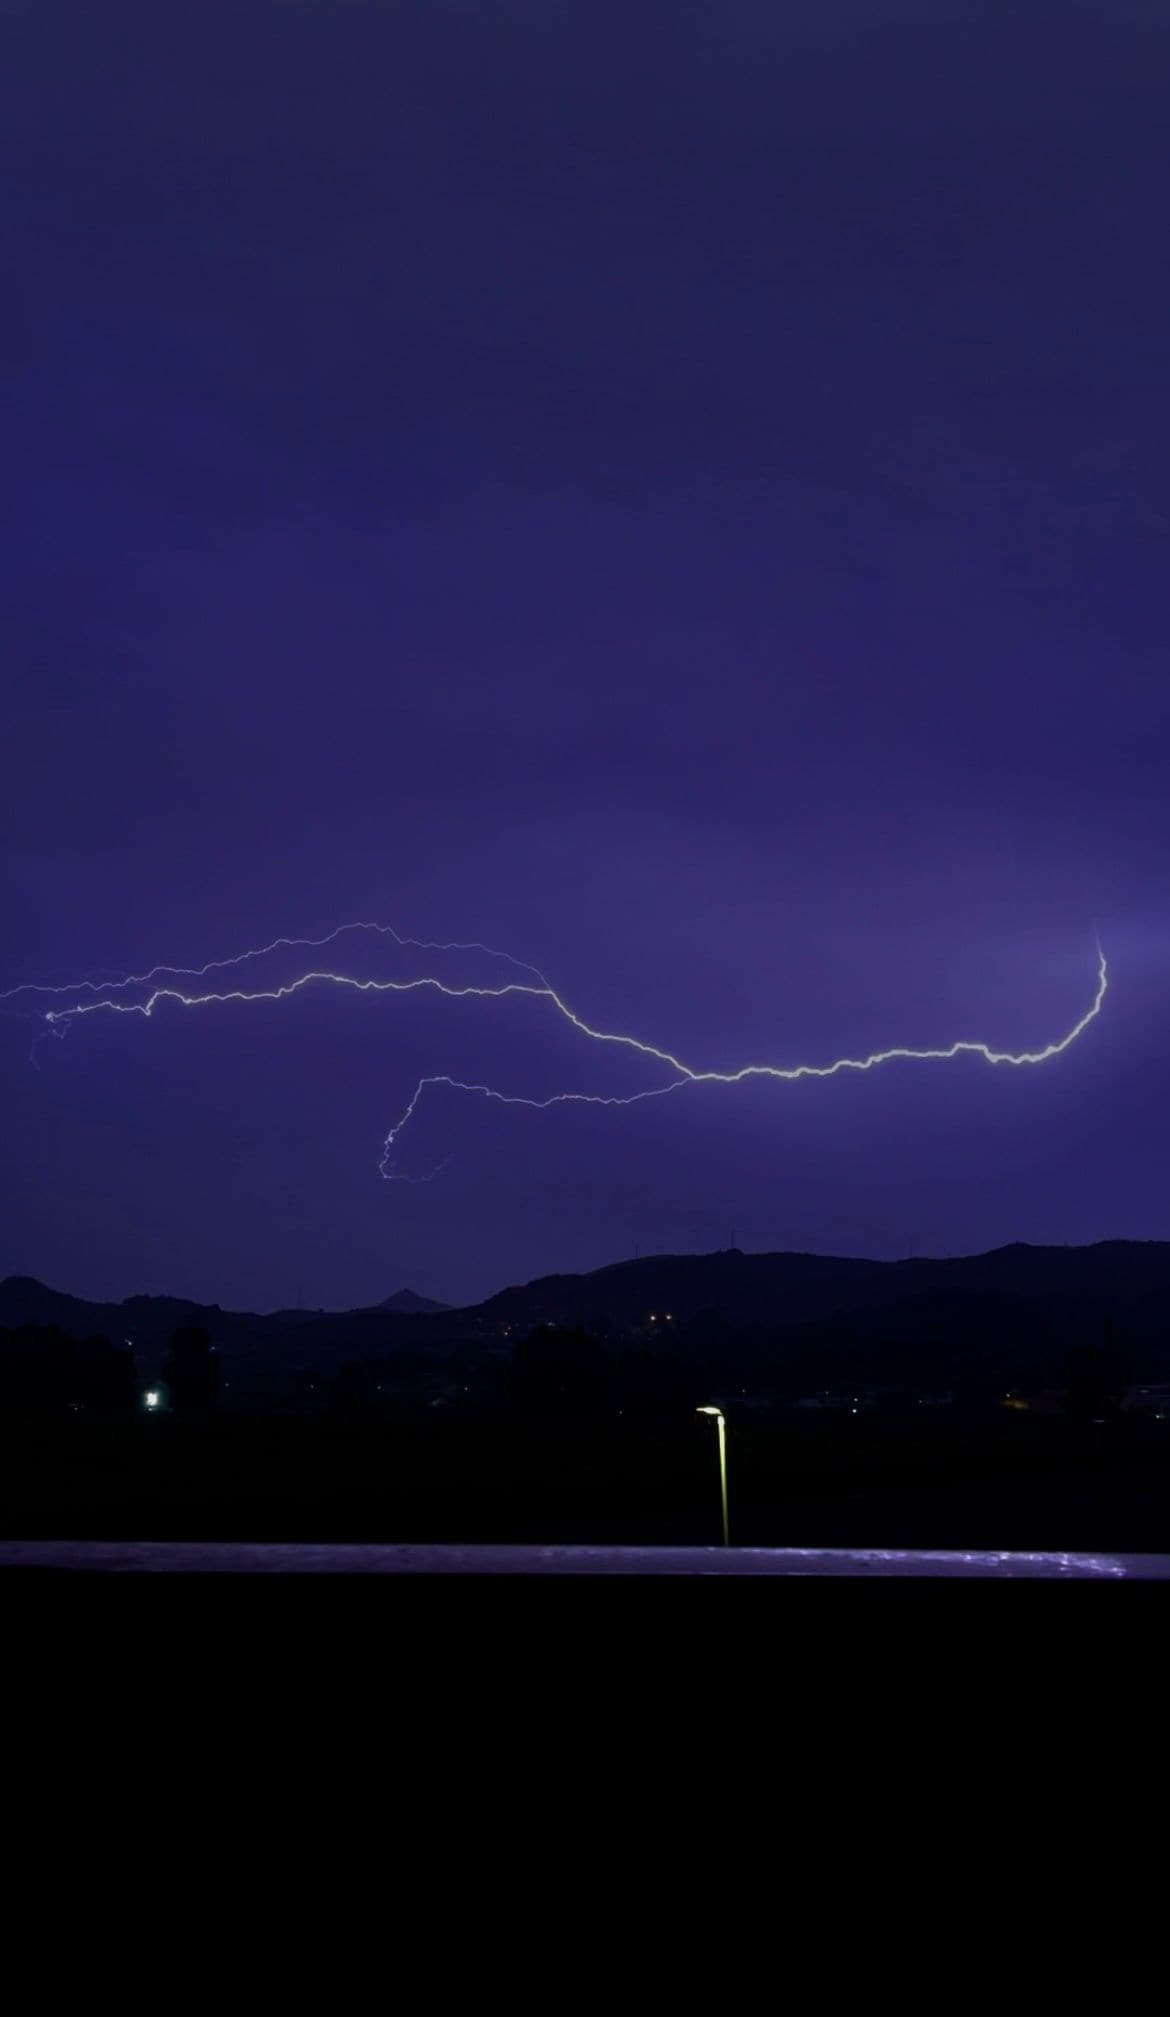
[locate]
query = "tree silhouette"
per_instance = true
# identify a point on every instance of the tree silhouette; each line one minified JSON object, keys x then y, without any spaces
{"x":1093,"y":1382}
{"x":348,"y":1391}
{"x":651,"y":1388}
{"x":555,"y":1372}
{"x":44,"y":1372}
{"x":192,"y":1374}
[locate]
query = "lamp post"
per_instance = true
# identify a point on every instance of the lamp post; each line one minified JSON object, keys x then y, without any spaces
{"x":721,"y":1426}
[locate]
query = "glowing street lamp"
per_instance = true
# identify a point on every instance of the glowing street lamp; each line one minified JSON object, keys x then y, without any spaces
{"x":721,"y":1425}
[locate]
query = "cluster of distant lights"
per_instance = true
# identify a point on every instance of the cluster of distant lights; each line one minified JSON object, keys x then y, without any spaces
{"x":166,"y":986}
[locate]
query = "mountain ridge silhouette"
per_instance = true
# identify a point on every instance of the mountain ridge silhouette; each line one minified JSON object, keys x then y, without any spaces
{"x":751,"y":1315}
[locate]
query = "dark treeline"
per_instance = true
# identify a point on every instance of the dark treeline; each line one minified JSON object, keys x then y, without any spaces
{"x":43,"y":1372}
{"x":561,"y":1434}
{"x":567,"y":1373}
{"x":552,"y":1373}
{"x":970,"y":1359}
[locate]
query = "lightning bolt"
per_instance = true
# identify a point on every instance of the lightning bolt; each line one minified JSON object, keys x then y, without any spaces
{"x":91,"y":997}
{"x":262,"y":952}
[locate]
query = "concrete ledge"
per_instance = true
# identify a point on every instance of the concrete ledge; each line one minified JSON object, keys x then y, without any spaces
{"x":230,"y":1558}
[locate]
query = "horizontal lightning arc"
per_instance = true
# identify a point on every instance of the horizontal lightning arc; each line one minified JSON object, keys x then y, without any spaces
{"x":538,"y":988}
{"x":261,"y":952}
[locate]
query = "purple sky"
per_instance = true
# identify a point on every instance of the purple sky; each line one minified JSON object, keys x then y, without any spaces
{"x":677,"y":492}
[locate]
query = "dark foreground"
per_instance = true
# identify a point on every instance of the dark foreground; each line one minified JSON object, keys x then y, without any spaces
{"x":900,"y":1598}
{"x":964,"y":1484}
{"x":463,"y":1725}
{"x":160,"y":1656}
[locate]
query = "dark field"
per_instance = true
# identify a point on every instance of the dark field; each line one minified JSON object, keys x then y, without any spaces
{"x":1003,"y":1482}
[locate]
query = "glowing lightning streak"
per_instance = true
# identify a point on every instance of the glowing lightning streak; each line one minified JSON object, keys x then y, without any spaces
{"x":261,"y":952}
{"x":788,"y":1073}
{"x":684,"y":1075}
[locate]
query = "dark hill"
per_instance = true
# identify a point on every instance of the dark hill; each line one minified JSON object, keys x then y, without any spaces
{"x":1124,"y":1281}
{"x":772,"y":1318}
{"x":405,"y":1303}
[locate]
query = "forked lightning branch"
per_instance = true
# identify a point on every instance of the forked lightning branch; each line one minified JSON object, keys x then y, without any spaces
{"x":166,"y":987}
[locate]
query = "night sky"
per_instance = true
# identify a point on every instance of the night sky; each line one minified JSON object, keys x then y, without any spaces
{"x":677,"y":492}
